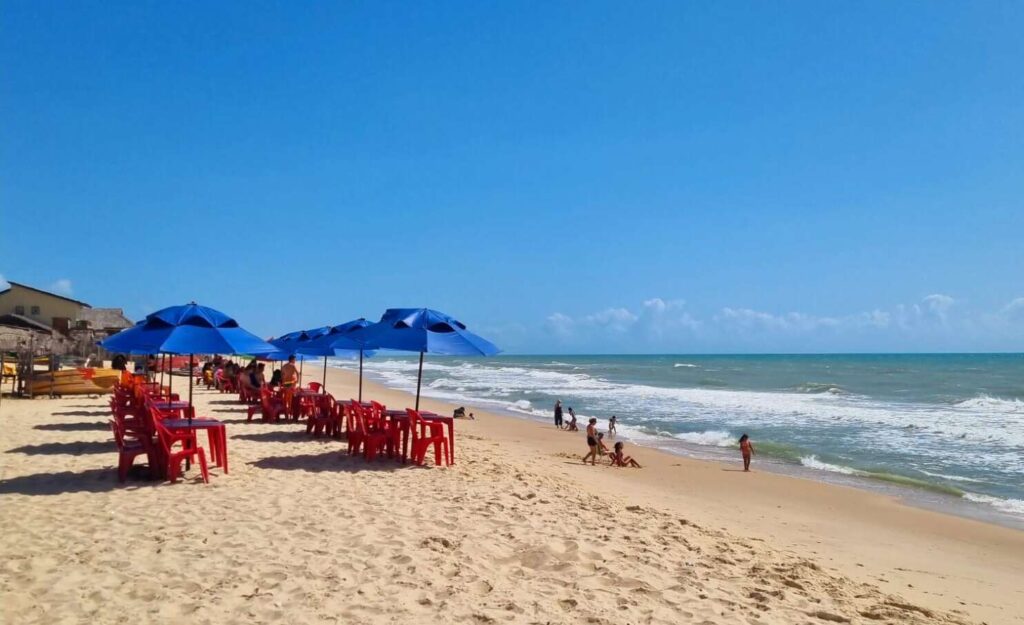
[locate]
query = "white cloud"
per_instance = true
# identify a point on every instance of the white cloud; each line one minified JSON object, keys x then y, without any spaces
{"x":560,"y":325}
{"x":938,"y":321}
{"x":4,"y":284}
{"x":62,"y":287}
{"x":1012,"y":312}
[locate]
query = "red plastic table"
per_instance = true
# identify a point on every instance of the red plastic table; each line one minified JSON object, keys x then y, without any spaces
{"x":216,"y":431}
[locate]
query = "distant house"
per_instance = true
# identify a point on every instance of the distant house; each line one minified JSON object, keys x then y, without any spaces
{"x":35,"y":310}
{"x":41,"y":306}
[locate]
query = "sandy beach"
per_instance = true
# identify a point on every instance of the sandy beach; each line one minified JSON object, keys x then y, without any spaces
{"x":518,"y":531}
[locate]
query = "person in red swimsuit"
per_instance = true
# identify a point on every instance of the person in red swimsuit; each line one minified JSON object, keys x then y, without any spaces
{"x":747,"y":449}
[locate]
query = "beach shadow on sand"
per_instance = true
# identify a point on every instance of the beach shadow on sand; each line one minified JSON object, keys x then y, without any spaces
{"x":90,"y":481}
{"x":227,"y":402}
{"x":69,"y":449}
{"x":83,"y":413}
{"x":335,"y":461}
{"x":278,"y":436}
{"x":90,"y":426}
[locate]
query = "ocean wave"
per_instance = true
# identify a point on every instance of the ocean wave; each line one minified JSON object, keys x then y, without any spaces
{"x":684,"y":365}
{"x":1013,"y":506}
{"x":812,"y":462}
{"x":818,"y":387}
{"x":992,"y":404}
{"x":714,"y":438}
{"x":955,"y":478}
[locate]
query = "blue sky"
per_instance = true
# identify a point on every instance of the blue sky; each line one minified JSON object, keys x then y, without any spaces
{"x":563,"y":177}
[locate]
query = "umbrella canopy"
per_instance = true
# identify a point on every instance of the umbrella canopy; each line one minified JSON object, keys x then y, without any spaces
{"x":338,"y":341}
{"x":188,"y":329}
{"x":425,"y":331}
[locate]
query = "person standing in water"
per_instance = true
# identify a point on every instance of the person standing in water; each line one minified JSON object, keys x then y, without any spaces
{"x":558,"y":414}
{"x":611,"y":426}
{"x":747,"y":449}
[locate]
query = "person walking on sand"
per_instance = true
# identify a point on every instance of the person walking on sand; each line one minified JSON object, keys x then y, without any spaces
{"x":747,"y":449}
{"x":558,"y":414}
{"x":591,"y":442}
{"x":611,"y":427}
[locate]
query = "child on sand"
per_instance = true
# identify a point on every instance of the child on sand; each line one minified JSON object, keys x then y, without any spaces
{"x":619,"y":459}
{"x":601,"y":447}
{"x":591,"y":442}
{"x":747,"y":449}
{"x":572,"y":420}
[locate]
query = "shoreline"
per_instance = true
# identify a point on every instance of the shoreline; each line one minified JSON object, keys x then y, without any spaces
{"x":870,"y":537}
{"x":518,"y":530}
{"x":916,"y":493}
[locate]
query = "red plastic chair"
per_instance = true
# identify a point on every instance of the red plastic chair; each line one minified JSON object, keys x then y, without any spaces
{"x":314,"y":386}
{"x":352,"y":431}
{"x":378,"y":416}
{"x":129,"y":448}
{"x":373,"y":441}
{"x":321,"y":420}
{"x":271,"y":407}
{"x":425,"y":434}
{"x":174,"y":457}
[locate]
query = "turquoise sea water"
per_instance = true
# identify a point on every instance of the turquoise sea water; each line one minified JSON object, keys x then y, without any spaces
{"x":950,"y":428}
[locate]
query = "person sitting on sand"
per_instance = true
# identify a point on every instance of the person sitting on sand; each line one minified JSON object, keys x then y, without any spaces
{"x":619,"y":459}
{"x":611,"y":426}
{"x":747,"y":449}
{"x":572,"y":427}
{"x":591,"y":442}
{"x":460,"y":413}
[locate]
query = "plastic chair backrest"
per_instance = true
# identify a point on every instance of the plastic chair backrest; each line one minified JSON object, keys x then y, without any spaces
{"x":314,"y":386}
{"x":118,"y":435}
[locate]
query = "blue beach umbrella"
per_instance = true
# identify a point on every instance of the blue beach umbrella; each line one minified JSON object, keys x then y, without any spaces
{"x":288,"y":344}
{"x":425,"y":331}
{"x":339,"y":342}
{"x":189,"y":329}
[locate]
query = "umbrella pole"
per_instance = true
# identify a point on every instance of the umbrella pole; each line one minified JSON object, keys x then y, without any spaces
{"x":170,"y":382}
{"x":360,"y":375}
{"x":162,"y":357}
{"x":302,"y":361}
{"x":189,"y":411}
{"x":323,"y":387}
{"x":190,"y":392}
{"x":419,"y":380}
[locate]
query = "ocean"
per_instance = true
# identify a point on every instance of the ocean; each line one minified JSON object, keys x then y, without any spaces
{"x":942,"y":431}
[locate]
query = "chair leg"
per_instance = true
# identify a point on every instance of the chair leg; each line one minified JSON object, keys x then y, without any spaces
{"x":202,"y":465}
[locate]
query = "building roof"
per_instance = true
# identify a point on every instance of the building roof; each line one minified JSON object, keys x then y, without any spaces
{"x":19,"y":321}
{"x":105,"y":317}
{"x":32,"y":288}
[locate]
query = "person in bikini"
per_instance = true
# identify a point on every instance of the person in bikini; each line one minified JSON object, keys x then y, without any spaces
{"x":619,"y":459}
{"x":747,"y":450}
{"x":591,"y":442}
